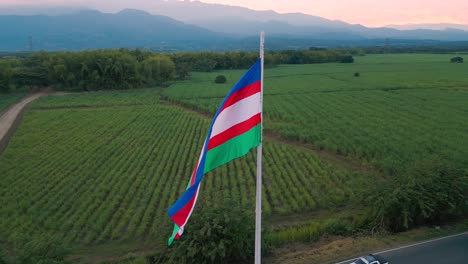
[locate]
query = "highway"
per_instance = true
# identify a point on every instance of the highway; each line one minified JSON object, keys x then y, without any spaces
{"x":446,"y":250}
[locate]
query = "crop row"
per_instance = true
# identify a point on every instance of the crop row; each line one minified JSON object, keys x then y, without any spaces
{"x":147,"y":96}
{"x":389,"y":129}
{"x":91,"y":176}
{"x":402,"y":108}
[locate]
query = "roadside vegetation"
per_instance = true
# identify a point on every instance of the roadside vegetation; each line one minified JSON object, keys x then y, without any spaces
{"x":8,"y":99}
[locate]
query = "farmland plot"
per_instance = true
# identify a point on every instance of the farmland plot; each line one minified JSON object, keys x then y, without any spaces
{"x":96,"y":175}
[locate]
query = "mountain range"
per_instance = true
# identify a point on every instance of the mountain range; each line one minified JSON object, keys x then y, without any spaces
{"x":440,"y":26}
{"x":192,"y":25}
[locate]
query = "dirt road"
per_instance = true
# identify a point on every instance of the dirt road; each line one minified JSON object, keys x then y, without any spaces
{"x":11,"y":117}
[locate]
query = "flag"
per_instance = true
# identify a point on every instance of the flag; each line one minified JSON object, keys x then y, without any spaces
{"x":234,"y":131}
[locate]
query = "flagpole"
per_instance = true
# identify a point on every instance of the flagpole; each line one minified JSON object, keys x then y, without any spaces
{"x":258,"y":205}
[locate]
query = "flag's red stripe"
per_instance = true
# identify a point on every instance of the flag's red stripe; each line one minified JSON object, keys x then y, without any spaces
{"x":241,"y":94}
{"x":235,"y":131}
{"x":181,"y":216}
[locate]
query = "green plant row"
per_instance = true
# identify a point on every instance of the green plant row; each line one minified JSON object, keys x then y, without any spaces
{"x":403,"y":108}
{"x":90,"y":176}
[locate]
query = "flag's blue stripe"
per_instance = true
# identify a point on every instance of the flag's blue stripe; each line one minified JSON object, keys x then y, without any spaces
{"x":253,"y":75}
{"x":182,"y":201}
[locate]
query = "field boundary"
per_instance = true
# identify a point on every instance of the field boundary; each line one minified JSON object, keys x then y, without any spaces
{"x":52,"y":108}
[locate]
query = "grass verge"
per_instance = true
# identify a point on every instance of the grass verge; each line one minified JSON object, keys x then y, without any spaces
{"x":332,"y":249}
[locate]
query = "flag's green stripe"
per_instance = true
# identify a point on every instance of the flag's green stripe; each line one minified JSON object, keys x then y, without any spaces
{"x":233,"y":149}
{"x":174,"y":233}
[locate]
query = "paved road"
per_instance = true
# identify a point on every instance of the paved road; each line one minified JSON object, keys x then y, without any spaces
{"x":447,"y":250}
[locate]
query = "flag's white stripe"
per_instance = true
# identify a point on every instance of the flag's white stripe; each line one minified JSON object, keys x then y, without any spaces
{"x":181,"y":228}
{"x":236,"y":113}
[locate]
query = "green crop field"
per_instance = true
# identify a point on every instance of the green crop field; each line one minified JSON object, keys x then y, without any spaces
{"x":94,"y":99}
{"x":400,"y":109}
{"x":7,"y":100}
{"x":102,"y":168}
{"x":109,"y":173}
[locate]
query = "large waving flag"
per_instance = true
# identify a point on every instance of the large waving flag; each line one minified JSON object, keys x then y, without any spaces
{"x":234,"y":131}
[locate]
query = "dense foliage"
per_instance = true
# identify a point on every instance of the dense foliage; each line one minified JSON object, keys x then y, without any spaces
{"x":90,"y":70}
{"x":223,"y":234}
{"x":6,"y":72}
{"x":429,"y":192}
{"x":126,"y":69}
{"x":8,"y":99}
{"x":394,"y":47}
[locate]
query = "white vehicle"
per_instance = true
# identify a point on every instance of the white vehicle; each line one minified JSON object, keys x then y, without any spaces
{"x":371,"y":259}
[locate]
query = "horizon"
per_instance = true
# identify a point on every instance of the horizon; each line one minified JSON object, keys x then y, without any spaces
{"x":379,"y":14}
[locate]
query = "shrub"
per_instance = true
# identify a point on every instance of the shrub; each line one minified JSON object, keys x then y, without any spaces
{"x":2,"y":260}
{"x":357,"y":74}
{"x":429,"y":192}
{"x":5,"y":77}
{"x":456,"y":60}
{"x":220,"y":79}
{"x":225,"y":234}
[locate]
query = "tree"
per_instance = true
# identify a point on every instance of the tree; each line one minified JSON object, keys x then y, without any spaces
{"x":183,"y":70}
{"x":158,"y":69}
{"x":224,"y":234}
{"x":6,"y":72}
{"x":456,"y":60}
{"x":347,"y":59}
{"x":220,"y":79}
{"x":429,"y":192}
{"x":204,"y":64}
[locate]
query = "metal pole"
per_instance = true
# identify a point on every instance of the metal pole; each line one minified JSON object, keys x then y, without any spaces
{"x":258,"y":205}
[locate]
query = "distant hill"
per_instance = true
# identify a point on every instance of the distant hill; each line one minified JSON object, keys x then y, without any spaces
{"x":441,"y":26}
{"x":91,"y":29}
{"x":37,"y":10}
{"x":215,"y":27}
{"x":243,"y":21}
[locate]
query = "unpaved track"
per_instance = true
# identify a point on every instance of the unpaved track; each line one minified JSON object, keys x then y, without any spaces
{"x":11,"y":118}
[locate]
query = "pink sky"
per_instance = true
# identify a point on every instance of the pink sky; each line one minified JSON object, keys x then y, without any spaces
{"x":366,"y":12}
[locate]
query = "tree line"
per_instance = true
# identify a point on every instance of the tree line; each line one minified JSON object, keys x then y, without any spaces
{"x":410,"y":49}
{"x":127,"y":69}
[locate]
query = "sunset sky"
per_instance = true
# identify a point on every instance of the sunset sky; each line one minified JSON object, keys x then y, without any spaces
{"x":367,"y":12}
